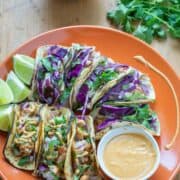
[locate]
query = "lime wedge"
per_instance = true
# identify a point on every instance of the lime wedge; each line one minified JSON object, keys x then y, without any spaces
{"x":20,"y":91}
{"x":6,"y":95}
{"x":6,"y":117}
{"x":24,"y":67}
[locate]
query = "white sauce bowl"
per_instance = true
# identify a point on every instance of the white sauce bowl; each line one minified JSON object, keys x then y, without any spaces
{"x":126,"y":130}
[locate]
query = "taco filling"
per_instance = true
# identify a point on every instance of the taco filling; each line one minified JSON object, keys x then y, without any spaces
{"x":104,"y":72}
{"x":49,"y":80}
{"x":108,"y":116}
{"x":84,"y":152}
{"x":53,"y":151}
{"x":22,"y":145}
{"x":81,"y":64}
{"x":135,"y":87}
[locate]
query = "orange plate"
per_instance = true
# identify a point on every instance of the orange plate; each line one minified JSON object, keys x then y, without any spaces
{"x":122,"y":47}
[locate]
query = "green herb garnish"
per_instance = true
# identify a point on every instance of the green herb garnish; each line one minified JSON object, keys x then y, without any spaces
{"x":46,"y":63}
{"x":65,"y":94}
{"x":133,"y":96}
{"x":31,"y":127}
{"x":47,"y":129}
{"x":24,"y":160}
{"x":141,"y":115}
{"x":82,"y":169}
{"x":53,"y":143}
{"x":88,"y":139}
{"x":147,"y":19}
{"x":103,"y":78}
{"x":60,"y":120}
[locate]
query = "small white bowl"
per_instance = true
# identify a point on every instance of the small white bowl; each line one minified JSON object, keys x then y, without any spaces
{"x":125,"y":130}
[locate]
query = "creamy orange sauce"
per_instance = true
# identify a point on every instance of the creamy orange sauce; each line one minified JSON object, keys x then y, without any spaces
{"x":129,"y":156}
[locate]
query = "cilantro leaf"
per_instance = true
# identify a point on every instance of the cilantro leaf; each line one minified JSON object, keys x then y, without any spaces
{"x":60,"y":120}
{"x":103,"y":78}
{"x":147,"y":19}
{"x":142,"y":115}
{"x":144,"y":33}
{"x":24,"y":160}
{"x":46,"y":63}
{"x":65,"y":95}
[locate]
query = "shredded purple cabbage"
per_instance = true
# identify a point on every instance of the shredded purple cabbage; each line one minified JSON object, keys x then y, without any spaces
{"x":145,"y":88}
{"x":56,"y":75}
{"x":153,"y":123}
{"x":57,"y":51}
{"x":75,"y":71}
{"x":48,"y":80}
{"x":118,"y":91}
{"x":116,"y":111}
{"x":106,"y":123}
{"x":47,"y":91}
{"x":42,"y":168}
{"x":81,"y":97}
{"x":25,"y":105}
{"x":82,"y":56}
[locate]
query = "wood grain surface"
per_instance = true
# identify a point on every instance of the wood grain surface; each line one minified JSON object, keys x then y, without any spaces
{"x":23,"y":19}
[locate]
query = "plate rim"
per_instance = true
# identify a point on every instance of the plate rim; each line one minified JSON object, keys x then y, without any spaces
{"x":99,"y":27}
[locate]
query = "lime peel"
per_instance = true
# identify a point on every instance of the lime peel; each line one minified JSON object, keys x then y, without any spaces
{"x":20,"y":91}
{"x":24,"y":67}
{"x":6,"y":117}
{"x":6,"y":94}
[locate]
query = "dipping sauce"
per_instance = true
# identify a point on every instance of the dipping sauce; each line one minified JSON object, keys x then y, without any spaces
{"x":129,"y":156}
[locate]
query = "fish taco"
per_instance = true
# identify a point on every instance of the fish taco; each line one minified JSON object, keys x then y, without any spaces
{"x":108,"y":116}
{"x":54,"y":157}
{"x":83,"y":63}
{"x":103,"y":77}
{"x":48,"y":80}
{"x":134,"y":88}
{"x":84,"y":161}
{"x":23,"y":143}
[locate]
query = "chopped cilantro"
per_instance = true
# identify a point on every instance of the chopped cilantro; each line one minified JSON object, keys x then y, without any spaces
{"x":88,"y":139}
{"x":82,"y":169}
{"x":142,"y":115}
{"x":46,"y":63}
{"x":60,"y":120}
{"x":24,"y":160}
{"x":125,"y":86}
{"x":65,"y":94}
{"x":47,"y":129}
{"x":75,"y":62}
{"x":103,"y":78}
{"x":31,"y":127}
{"x":133,"y":96}
{"x":53,"y":143}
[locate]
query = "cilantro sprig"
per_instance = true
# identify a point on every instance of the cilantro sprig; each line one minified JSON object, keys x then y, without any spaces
{"x":103,"y":78}
{"x":142,"y":115}
{"x":147,"y":19}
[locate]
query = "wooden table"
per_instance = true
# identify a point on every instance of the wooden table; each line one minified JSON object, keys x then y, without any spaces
{"x":22,"y":19}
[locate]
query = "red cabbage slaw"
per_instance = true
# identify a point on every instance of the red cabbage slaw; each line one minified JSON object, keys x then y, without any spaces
{"x":140,"y":114}
{"x":130,"y":87}
{"x":49,"y":79}
{"x":104,"y":72}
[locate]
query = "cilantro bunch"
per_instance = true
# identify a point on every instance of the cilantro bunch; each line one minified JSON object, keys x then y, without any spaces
{"x":147,"y":19}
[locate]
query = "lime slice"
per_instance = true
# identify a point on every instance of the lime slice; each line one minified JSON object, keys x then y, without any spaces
{"x":6,"y":117}
{"x":24,"y":67}
{"x":6,"y":95}
{"x":20,"y":91}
